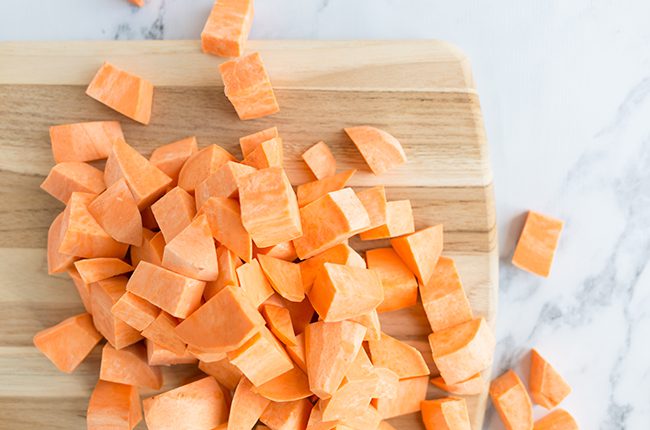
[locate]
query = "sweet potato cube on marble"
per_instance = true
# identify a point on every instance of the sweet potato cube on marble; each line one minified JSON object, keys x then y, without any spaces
{"x":511,"y":401}
{"x":536,"y":246}
{"x":546,"y":385}
{"x":227,"y":27}
{"x":559,"y":419}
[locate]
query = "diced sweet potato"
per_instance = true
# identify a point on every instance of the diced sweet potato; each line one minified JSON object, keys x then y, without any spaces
{"x":398,"y":282}
{"x":82,"y":288}
{"x":399,"y":221}
{"x":135,"y":311}
{"x":224,"y":218}
{"x":160,"y":356}
{"x":84,"y":141}
{"x":171,"y":157}
{"x":559,"y":419}
{"x":103,"y":296}
{"x":279,"y":321}
{"x":228,"y":263}
{"x":283,"y":250}
{"x":269,"y":153}
{"x":287,"y":415}
{"x":173,"y":212}
{"x":148,"y":219}
{"x":151,"y":250}
{"x":247,"y":406}
{"x":284,"y":276}
{"x":249,"y":142}
{"x":371,"y":322}
{"x":547,"y":387}
{"x":226,"y":30}
{"x":297,"y":352}
{"x":207,"y":355}
{"x":117,"y":212}
{"x":536,"y":246}
{"x":387,"y":384}
{"x":301,"y":314}
{"x":72,"y":176}
{"x":469,"y":387}
{"x":95,"y":269}
{"x":449,"y":413}
{"x":338,"y":254}
{"x":420,"y":251}
{"x":397,"y":356}
{"x":411,"y":392}
{"x":367,"y":418}
{"x":114,"y":406}
{"x":224,"y":372}
{"x":312,"y":191}
{"x":511,"y":401}
{"x":374,"y":200}
{"x":201,"y":165}
{"x":57,"y":262}
{"x":192,"y":252}
{"x":289,"y":386}
{"x":380,"y":150}
{"x":129,"y":366}
{"x":253,"y":282}
{"x":222,"y":183}
{"x":320,"y":160}
{"x":162,"y":332}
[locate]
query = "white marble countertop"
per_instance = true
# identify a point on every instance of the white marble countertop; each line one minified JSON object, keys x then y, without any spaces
{"x":565,"y":90}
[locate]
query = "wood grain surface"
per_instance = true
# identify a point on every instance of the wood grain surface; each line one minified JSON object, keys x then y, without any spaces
{"x":422,"y":92}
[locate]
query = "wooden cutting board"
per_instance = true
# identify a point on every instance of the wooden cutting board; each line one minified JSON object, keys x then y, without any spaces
{"x":421,"y":92}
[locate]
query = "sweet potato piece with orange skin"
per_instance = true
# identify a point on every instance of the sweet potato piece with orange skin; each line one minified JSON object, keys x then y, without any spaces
{"x":82,"y":288}
{"x":84,"y":141}
{"x":290,"y":386}
{"x":301,"y":314}
{"x":136,"y":312}
{"x":103,"y":296}
{"x":287,"y":415}
{"x":224,"y":218}
{"x":171,"y":157}
{"x":249,"y":142}
{"x":248,"y":87}
{"x":228,"y":263}
{"x":371,"y":322}
{"x":284,"y":276}
{"x":449,"y":413}
{"x":330,"y":220}
{"x":559,"y":419}
{"x":115,"y":406}
{"x":253,"y":282}
{"x":546,"y":385}
{"x":225,"y":322}
{"x":284,"y":251}
{"x":462,"y":351}
{"x":82,"y":236}
{"x":124,"y":92}
{"x":398,"y":356}
{"x":420,"y":251}
{"x":95,"y":269}
{"x":269,"y":153}
{"x":129,"y":366}
{"x":399,"y":221}
{"x":173,"y":212}
{"x":159,"y":356}
{"x":69,"y":342}
{"x":341,"y":292}
{"x":262,"y":358}
{"x":374,"y":200}
{"x":226,"y":30}
{"x":201,"y":404}
{"x":511,"y":401}
{"x":69,"y":177}
{"x":269,"y":208}
{"x":338,"y":254}
{"x":173,"y":293}
{"x":443,"y":297}
{"x":297,"y":352}
{"x":380,"y":150}
{"x":57,"y":262}
{"x":398,"y":282}
{"x":537,"y":243}
{"x":162,"y":332}
{"x":117,"y":212}
{"x":330,"y":349}
{"x":224,"y":372}
{"x":192,"y":252}
{"x":312,"y":191}
{"x":279,"y":322}
{"x":201,"y":165}
{"x":151,"y":250}
{"x":247,"y":406}
{"x":222,"y":183}
{"x":411,"y":392}
{"x":469,"y":387}
{"x":320,"y":160}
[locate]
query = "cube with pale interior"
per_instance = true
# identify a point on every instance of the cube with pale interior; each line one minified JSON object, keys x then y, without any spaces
{"x":536,"y":246}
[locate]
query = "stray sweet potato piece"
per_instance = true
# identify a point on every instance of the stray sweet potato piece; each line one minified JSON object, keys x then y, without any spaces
{"x":536,"y":246}
{"x":84,"y":141}
{"x":420,"y":251}
{"x":104,"y":295}
{"x":247,"y":406}
{"x":171,"y":157}
{"x":547,"y":387}
{"x":201,"y":165}
{"x":269,"y":153}
{"x":113,"y":405}
{"x":95,"y":269}
{"x":208,"y":356}
{"x":559,"y":419}
{"x":222,"y":183}
{"x":287,"y":415}
{"x":226,"y":30}
{"x":338,"y":254}
{"x":151,"y":250}
{"x":173,"y":212}
{"x":511,"y":401}
{"x":224,"y":218}
{"x":289,"y":386}
{"x":320,"y":160}
{"x":283,"y":250}
{"x":160,"y":356}
{"x":399,"y":221}
{"x":129,"y":366}
{"x":312,"y":191}
{"x":374,"y":200}
{"x":397,"y":356}
{"x":469,"y":387}
{"x":192,"y":252}
{"x":279,"y":322}
{"x":228,"y":263}
{"x":380,"y":150}
{"x":224,"y":372}
{"x":72,"y":176}
{"x":249,"y":142}
{"x":117,"y":212}
{"x":253,"y":282}
{"x":449,"y":413}
{"x":284,"y":276}
{"x":410,"y":394}
{"x":398,"y":282}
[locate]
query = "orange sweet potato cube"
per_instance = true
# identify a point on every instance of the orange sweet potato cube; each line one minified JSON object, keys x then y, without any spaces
{"x":135,"y":311}
{"x":114,"y":405}
{"x":269,"y":153}
{"x":559,"y":419}
{"x":380,"y":149}
{"x":312,"y":191}
{"x":201,"y":165}
{"x":173,"y":212}
{"x":84,"y":141}
{"x":73,"y":176}
{"x":398,"y":282}
{"x":249,"y":142}
{"x":399,"y":221}
{"x":511,"y":401}
{"x":374,"y":200}
{"x":247,"y":406}
{"x":170,"y":158}
{"x":410,"y":394}
{"x":104,"y":295}
{"x":224,"y":372}
{"x":536,"y":246}
{"x":420,"y":251}
{"x":129,"y":366}
{"x":224,"y":218}
{"x":320,"y":160}
{"x":222,"y":183}
{"x":162,"y":331}
{"x":449,"y":413}
{"x":546,"y":385}
{"x":400,"y":357}
{"x":226,"y":30}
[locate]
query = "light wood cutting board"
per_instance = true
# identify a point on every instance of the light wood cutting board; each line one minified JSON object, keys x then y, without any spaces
{"x":421,"y":92}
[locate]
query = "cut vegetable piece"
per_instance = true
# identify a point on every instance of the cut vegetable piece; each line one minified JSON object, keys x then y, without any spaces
{"x":536,"y":246}
{"x":113,"y":406}
{"x":380,"y":150}
{"x":511,"y":401}
{"x":546,"y":385}
{"x":387,"y":384}
{"x":103,"y":296}
{"x":330,"y":348}
{"x":201,"y":165}
{"x":384,"y":425}
{"x":82,"y":288}
{"x":341,"y":292}
{"x":411,"y":392}
{"x":469,"y":387}
{"x":170,"y":158}
{"x":397,"y":356}
{"x":117,"y":212}
{"x":174,"y":293}
{"x":124,"y":92}
{"x":247,"y":406}
{"x":338,"y":254}
{"x":267,"y":154}
{"x":69,"y":342}
{"x":399,"y":221}
{"x":348,"y":401}
{"x":284,"y":276}
{"x":330,"y":220}
{"x":146,"y":182}
{"x":269,"y":209}
{"x":297,"y":352}
{"x":290,"y":386}
{"x":57,"y":262}
{"x":69,"y":177}
{"x":449,"y":413}
{"x":192,"y":252}
{"x":222,"y":183}
{"x":159,"y":356}
{"x":95,"y":269}
{"x":374,"y":200}
{"x":250,"y":142}
{"x":254,"y":283}
{"x":316,"y":420}
{"x":129,"y":366}
{"x":162,"y":332}
{"x":284,"y":251}
{"x":320,"y":160}
{"x":371,"y":322}
{"x":279,"y":321}
{"x":226,"y":30}
{"x":200,"y":405}
{"x":287,"y":415}
{"x":420,"y":251}
{"x":301,"y":314}
{"x":225,"y":322}
{"x":84,"y":141}
{"x":82,"y":236}
{"x":174,"y":211}
{"x":151,"y":250}
{"x":262,"y":358}
{"x":148,"y":219}
{"x":443,"y":297}
{"x":224,"y":218}
{"x":559,"y":419}
{"x":462,"y":351}
{"x":228,"y":264}
{"x":398,"y":282}
{"x":368,"y":418}
{"x":224,"y":372}
{"x":312,"y":191}
{"x":247,"y":86}
{"x":207,"y":355}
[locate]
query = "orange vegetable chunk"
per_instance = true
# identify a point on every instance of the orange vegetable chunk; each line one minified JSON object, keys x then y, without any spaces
{"x":224,"y":372}
{"x":536,"y":246}
{"x":380,"y":150}
{"x":387,"y":383}
{"x":173,"y":293}
{"x":297,"y":352}
{"x":148,"y":219}
{"x":57,"y":262}
{"x":253,"y":282}
{"x":312,"y":191}
{"x":84,"y":141}
{"x":301,"y":314}
{"x":283,"y":250}
{"x":129,"y":366}
{"x":320,"y":160}
{"x":162,"y":332}
{"x":267,"y":154}
{"x":192,"y":252}
{"x":398,"y":282}
{"x":399,"y":221}
{"x":279,"y":321}
{"x":151,"y":250}
{"x":249,"y":142}
{"x":226,"y":30}
{"x":173,"y":212}
{"x":443,"y":297}
{"x":201,"y":165}
{"x":410,"y":394}
{"x":284,"y":276}
{"x":82,"y":288}
{"x":222,"y":183}
{"x":338,"y":254}
{"x":546,"y":385}
{"x":69,"y":342}
{"x":247,"y":406}
{"x":228,"y":263}
{"x":371,"y":322}
{"x":420,"y":251}
{"x":330,"y":220}
{"x":374,"y":200}
{"x":463,"y":350}
{"x":199,"y":405}
{"x":397,"y":356}
{"x":248,"y":87}
{"x":95,"y":269}
{"x":287,"y":415}
{"x":511,"y":401}
{"x":559,"y":419}
{"x":224,"y":219}
{"x":113,"y":406}
{"x":72,"y":176}
{"x":471,"y":386}
{"x":207,"y":356}
{"x":160,"y":356}
{"x":269,"y":208}
{"x":103,"y":296}
{"x":117,"y":212}
{"x":289,"y":386}
{"x":449,"y":413}
{"x":170,"y":158}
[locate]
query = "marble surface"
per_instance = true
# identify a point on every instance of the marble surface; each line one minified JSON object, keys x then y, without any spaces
{"x":565,"y":90}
